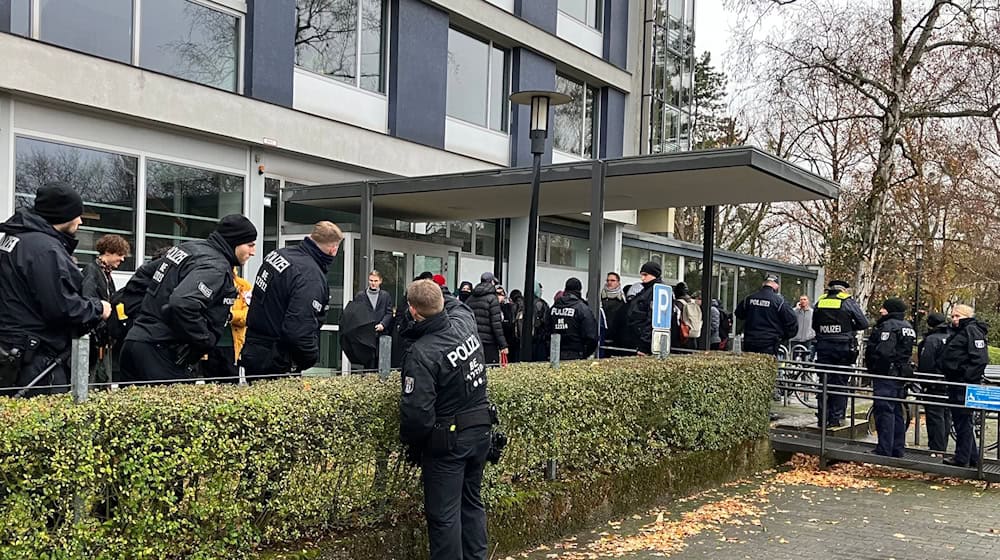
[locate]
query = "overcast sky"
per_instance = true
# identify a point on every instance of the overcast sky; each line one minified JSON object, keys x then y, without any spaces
{"x":711,"y":27}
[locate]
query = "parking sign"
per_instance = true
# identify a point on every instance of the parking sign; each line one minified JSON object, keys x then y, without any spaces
{"x":663,"y":300}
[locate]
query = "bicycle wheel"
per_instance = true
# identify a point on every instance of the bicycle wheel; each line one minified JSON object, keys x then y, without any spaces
{"x":807,"y":383}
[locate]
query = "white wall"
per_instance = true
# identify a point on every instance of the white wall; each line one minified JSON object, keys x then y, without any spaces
{"x":6,"y":159}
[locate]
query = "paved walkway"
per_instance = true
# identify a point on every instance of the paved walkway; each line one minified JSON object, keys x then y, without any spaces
{"x":851,"y":512}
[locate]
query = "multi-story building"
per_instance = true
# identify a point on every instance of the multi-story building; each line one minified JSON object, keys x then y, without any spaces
{"x":168,"y":114}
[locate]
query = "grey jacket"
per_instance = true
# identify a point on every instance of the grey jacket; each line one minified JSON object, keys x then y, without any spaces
{"x":804,"y":318}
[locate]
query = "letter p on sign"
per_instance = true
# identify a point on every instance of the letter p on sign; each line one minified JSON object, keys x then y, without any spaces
{"x":663,"y":299}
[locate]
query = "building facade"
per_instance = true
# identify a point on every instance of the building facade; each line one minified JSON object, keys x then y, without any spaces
{"x":168,"y":114}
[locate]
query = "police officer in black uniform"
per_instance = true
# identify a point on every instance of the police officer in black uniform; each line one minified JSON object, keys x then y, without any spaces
{"x":888,"y":353}
{"x":187,"y":304}
{"x":638,"y":332}
{"x":41,"y":290}
{"x":836,"y":316}
{"x":571,"y":318}
{"x":767,"y":318}
{"x":963,"y":360}
{"x":290,"y":300}
{"x":928,"y":357}
{"x":445,"y":420}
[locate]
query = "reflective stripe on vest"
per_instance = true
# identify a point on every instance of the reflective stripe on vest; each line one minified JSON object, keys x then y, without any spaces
{"x":831,"y":317}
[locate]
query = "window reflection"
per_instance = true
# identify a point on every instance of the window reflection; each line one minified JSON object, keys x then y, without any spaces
{"x":327,"y":40}
{"x":190,"y":41}
{"x":99,"y":28}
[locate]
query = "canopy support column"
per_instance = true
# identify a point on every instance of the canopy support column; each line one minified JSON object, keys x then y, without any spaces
{"x":597,"y":183}
{"x":499,"y":232}
{"x":366,"y":247}
{"x":707,"y":264}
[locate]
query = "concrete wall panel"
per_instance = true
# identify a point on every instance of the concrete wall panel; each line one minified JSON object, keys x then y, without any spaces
{"x":529,"y":71}
{"x":270,"y":50}
{"x":616,"y":26}
{"x":541,"y":13}
{"x":612,"y":126}
{"x":418,"y":74}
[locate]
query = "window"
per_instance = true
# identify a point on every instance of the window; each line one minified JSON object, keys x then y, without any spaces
{"x":477,"y":81}
{"x":575,"y":122}
{"x":98,"y":28}
{"x":190,"y":41}
{"x":562,"y":250}
{"x":632,"y":260}
{"x":586,"y":11}
{"x":184,"y":203}
{"x":20,"y":17}
{"x":106,"y":181}
{"x":327,"y":40}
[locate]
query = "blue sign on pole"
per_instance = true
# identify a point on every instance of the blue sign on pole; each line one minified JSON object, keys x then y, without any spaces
{"x":983,"y":397}
{"x":663,"y":303}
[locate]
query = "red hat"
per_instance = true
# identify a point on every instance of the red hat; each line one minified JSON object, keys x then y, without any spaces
{"x":439,"y":280}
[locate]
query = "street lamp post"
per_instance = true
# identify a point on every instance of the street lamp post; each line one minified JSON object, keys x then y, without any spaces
{"x":919,"y":250}
{"x":540,"y":102}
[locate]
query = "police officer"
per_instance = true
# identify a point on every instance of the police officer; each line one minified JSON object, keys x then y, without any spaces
{"x":963,"y":360}
{"x":41,"y":289}
{"x":888,"y":353}
{"x":571,"y":318}
{"x":187,"y":303}
{"x":445,"y":420}
{"x":290,"y":300}
{"x":835,"y":319}
{"x":928,"y":358}
{"x":767,"y":319}
{"x":639,"y":310}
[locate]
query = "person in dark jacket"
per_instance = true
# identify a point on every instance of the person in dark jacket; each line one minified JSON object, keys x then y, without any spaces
{"x":486,"y":306}
{"x":928,"y":354}
{"x":613,"y":303}
{"x":42,"y":291}
{"x":380,"y":304}
{"x":963,"y":360}
{"x":187,"y":304}
{"x":127,"y":301}
{"x":639,"y":311}
{"x":508,"y":312}
{"x":888,"y":353}
{"x":571,"y":318}
{"x":98,"y":283}
{"x":516,"y":300}
{"x":767,"y":318}
{"x":444,"y":420}
{"x":464,"y":291}
{"x":291,"y":297}
{"x":539,"y":327}
{"x":835,"y":319}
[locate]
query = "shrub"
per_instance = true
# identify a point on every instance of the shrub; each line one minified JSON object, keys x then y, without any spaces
{"x":214,"y":471}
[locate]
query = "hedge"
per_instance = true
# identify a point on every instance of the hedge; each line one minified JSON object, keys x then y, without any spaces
{"x":220,"y":471}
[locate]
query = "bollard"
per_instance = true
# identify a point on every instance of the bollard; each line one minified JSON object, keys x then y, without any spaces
{"x":551,"y":470}
{"x":384,"y":356}
{"x":738,"y":344}
{"x":664,"y":346}
{"x":243,"y":376}
{"x":79,"y":368}
{"x":555,"y":341}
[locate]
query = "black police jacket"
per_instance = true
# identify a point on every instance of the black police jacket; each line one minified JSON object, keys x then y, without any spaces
{"x":639,"y":319}
{"x":928,"y":355}
{"x":836,"y":316}
{"x":571,"y":318}
{"x":486,"y":306}
{"x":965,"y":355}
{"x":190,"y":296}
{"x":890,"y":346}
{"x":40,"y":286}
{"x":767,"y":318}
{"x":290,"y":301}
{"x":444,"y":372}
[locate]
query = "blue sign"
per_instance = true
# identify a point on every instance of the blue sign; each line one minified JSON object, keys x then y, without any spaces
{"x":983,"y":397}
{"x":663,"y":303}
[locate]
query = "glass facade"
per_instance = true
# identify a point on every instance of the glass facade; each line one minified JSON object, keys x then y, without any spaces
{"x":190,"y":41}
{"x":106,"y":181}
{"x":330,"y":34}
{"x":574,"y":129}
{"x":672,"y":79}
{"x":584,"y":11}
{"x":99,"y":28}
{"x":634,"y":257}
{"x":477,"y":81}
{"x":20,"y":17}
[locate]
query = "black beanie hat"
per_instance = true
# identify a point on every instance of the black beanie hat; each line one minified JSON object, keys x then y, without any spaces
{"x":58,"y":203}
{"x":573,"y":285}
{"x":236,"y":230}
{"x":935,"y":320}
{"x":651,"y":268}
{"x":894,"y":305}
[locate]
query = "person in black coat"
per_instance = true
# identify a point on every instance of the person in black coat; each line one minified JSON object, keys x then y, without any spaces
{"x":963,"y":360}
{"x":767,"y":318}
{"x":188,"y":303}
{"x":380,"y":303}
{"x":571,"y":318}
{"x":42,"y":291}
{"x":98,"y":283}
{"x":444,"y":420}
{"x":929,"y":353}
{"x":290,"y":301}
{"x":489,"y":319}
{"x":638,"y":314}
{"x":508,"y":314}
{"x":613,"y":304}
{"x":888,"y":353}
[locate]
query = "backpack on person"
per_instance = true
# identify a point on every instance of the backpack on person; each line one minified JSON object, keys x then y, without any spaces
{"x":691,"y":320}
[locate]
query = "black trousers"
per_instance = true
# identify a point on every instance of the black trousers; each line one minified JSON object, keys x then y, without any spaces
{"x":966,"y":451}
{"x":54,"y":382}
{"x":761,"y":347}
{"x":492,"y":354}
{"x":221,"y":363}
{"x":456,"y":518}
{"x":835,"y":353}
{"x":145,"y":361}
{"x":889,"y":419}
{"x":938,"y":426}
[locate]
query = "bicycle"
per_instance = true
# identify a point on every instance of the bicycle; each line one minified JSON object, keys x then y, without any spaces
{"x":800,"y":382}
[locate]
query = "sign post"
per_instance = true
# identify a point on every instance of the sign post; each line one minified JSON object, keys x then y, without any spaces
{"x":662,"y":309}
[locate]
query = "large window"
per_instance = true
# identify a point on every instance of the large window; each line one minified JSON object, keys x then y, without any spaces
{"x":184,"y":203}
{"x":477,"y":81}
{"x":672,"y":79}
{"x":576,"y":122}
{"x":586,"y":11}
{"x":99,"y":28}
{"x":191,"y":41}
{"x":20,"y":17}
{"x":562,"y":250}
{"x":330,"y":34}
{"x":633,"y":258}
{"x":106,"y":181}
